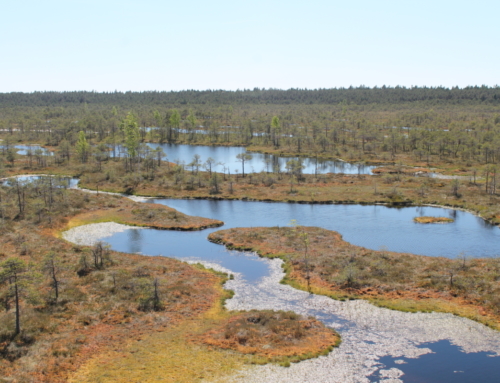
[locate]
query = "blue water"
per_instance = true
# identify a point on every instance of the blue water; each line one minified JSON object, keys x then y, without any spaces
{"x":226,"y":156}
{"x":369,"y":226}
{"x":186,"y":244}
{"x":65,"y":182}
{"x":23,"y":150}
{"x":446,"y":363}
{"x":374,"y":227}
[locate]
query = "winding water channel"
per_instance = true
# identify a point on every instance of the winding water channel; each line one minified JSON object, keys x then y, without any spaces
{"x":377,"y":344}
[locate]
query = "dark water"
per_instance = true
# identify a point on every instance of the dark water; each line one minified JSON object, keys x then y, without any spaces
{"x":226,"y":155}
{"x":446,"y":363}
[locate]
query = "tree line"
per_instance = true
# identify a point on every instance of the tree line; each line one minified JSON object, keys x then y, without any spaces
{"x":356,"y":95}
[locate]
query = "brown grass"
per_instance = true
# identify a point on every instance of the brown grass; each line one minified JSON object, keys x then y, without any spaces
{"x":433,"y":220}
{"x":402,"y":281}
{"x":166,"y":355}
{"x":127,"y":212}
{"x":396,"y":189}
{"x":98,"y":330}
{"x":410,"y":170}
{"x":395,"y":186}
{"x":100,"y":309}
{"x":272,"y":334}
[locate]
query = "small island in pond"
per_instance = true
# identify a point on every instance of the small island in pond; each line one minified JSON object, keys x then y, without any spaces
{"x":433,"y":220}
{"x":274,"y":336}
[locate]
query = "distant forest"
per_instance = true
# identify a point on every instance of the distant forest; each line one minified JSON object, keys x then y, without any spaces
{"x":359,"y":96}
{"x":356,"y":124}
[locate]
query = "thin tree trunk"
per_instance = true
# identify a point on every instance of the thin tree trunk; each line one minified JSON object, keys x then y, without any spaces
{"x":18,"y":322}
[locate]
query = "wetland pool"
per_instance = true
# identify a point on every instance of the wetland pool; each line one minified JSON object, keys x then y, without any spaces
{"x":378,"y":345}
{"x":183,"y":153}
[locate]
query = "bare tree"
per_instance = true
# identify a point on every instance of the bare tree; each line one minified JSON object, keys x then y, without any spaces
{"x":51,"y":266}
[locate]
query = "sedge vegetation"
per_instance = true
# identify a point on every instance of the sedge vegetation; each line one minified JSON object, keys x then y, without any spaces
{"x":281,"y":337}
{"x":175,"y":181}
{"x":62,"y":304}
{"x":449,"y":128}
{"x":320,"y":261}
{"x":90,"y":314}
{"x":211,"y":347}
{"x":407,"y":131}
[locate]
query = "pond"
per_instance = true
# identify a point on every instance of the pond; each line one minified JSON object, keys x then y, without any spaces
{"x":377,"y":344}
{"x":446,"y":363}
{"x":58,"y":181}
{"x":371,"y":226}
{"x":24,"y":149}
{"x":226,"y":156}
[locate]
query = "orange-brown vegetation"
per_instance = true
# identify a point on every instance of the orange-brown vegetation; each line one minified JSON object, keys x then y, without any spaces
{"x":400,"y":170}
{"x":124,"y":317}
{"x":425,"y":219}
{"x":272,"y":334}
{"x":101,"y":305}
{"x":132,"y":213}
{"x":397,"y":187}
{"x":329,"y":265}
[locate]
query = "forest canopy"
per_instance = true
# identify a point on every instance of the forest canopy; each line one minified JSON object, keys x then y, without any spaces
{"x":359,"y":95}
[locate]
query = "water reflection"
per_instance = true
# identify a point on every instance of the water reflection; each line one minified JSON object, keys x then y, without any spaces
{"x":24,"y":150}
{"x":135,"y":243}
{"x":41,"y":181}
{"x":371,"y":226}
{"x":186,"y":245}
{"x":453,"y":214}
{"x":225,"y":156}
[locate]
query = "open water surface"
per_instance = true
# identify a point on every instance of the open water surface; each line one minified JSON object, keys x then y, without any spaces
{"x":59,"y":181}
{"x":376,"y":342}
{"x":226,"y":156}
{"x":23,"y":150}
{"x":379,"y":345}
{"x":446,"y":363}
{"x":371,"y":226}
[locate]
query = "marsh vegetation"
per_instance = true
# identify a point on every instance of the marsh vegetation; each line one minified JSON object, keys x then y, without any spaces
{"x":320,"y":261}
{"x":64,"y":305}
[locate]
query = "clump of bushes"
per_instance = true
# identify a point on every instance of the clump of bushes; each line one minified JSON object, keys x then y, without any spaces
{"x":278,"y":336}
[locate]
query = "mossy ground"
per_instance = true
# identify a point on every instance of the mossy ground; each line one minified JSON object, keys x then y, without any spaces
{"x":59,"y":333}
{"x":167,"y":355}
{"x":100,"y":306}
{"x":395,"y":185}
{"x":131,"y":213}
{"x":97,"y":331}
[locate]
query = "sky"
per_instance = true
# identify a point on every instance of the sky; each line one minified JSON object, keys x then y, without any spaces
{"x":108,"y":45}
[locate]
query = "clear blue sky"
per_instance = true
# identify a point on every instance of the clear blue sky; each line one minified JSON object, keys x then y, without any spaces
{"x":125,"y":45}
